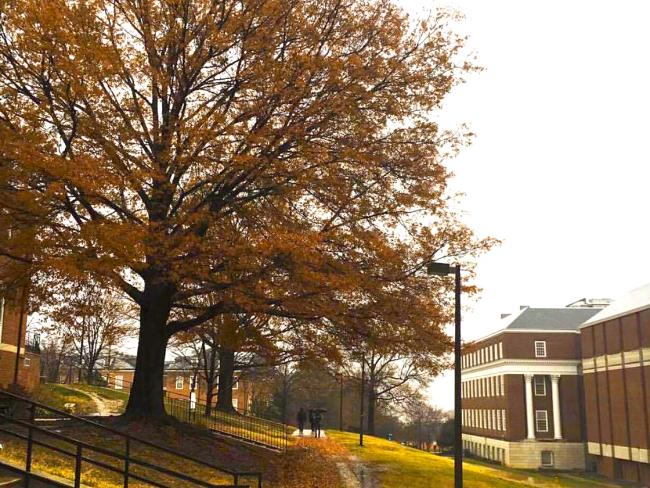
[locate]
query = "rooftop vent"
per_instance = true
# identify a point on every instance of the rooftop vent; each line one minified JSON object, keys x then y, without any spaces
{"x":590,"y":303}
{"x":504,"y":315}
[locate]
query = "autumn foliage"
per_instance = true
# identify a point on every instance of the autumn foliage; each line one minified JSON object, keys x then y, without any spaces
{"x":279,"y":156}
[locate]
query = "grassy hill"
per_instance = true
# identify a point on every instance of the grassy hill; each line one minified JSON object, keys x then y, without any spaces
{"x":397,"y":466}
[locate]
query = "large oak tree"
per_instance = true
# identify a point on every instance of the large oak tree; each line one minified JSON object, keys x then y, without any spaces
{"x":280,"y":155}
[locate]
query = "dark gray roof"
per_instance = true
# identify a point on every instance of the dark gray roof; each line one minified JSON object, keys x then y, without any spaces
{"x":118,"y":363}
{"x":552,"y":318}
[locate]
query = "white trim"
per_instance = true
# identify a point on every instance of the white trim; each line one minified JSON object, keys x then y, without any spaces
{"x":610,"y":362}
{"x":525,"y":331}
{"x":526,"y":366}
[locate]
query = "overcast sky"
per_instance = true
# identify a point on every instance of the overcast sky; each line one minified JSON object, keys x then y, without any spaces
{"x":559,"y":169}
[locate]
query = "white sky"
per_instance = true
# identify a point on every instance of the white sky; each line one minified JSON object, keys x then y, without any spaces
{"x":560,"y":167}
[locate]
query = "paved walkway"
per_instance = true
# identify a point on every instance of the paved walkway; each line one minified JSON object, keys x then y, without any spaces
{"x":307,"y":433}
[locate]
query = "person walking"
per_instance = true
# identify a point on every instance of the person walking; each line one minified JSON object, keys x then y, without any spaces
{"x":312,"y":421}
{"x":301,"y":417}
{"x":318,"y":418}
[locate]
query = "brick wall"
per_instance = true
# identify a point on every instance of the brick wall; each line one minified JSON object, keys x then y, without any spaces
{"x":616,"y":364}
{"x":28,"y":370}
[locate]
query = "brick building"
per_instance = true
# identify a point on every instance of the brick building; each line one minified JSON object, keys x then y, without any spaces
{"x":522,"y":390}
{"x":24,"y":369}
{"x":178,"y":382}
{"x":616,"y":368}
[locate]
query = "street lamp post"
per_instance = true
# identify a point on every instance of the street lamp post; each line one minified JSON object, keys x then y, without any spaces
{"x":363,"y":383}
{"x":341,"y":403}
{"x":442,"y":269}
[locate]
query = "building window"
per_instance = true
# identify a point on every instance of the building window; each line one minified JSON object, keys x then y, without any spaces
{"x":498,"y":419}
{"x":27,"y":362}
{"x":540,"y":385}
{"x":503,"y":389}
{"x":119,"y":381}
{"x":235,"y":403}
{"x":503,"y":419}
{"x":235,"y":386}
{"x":540,"y":349}
{"x":547,"y":459}
{"x":500,"y":350}
{"x":541,"y":420}
{"x":179,"y":382}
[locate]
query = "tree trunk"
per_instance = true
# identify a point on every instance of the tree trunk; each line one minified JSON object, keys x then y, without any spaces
{"x":146,"y":398}
{"x":209,"y":400}
{"x":372,"y":407}
{"x":226,"y":380}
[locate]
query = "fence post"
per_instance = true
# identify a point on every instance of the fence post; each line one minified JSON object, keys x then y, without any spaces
{"x":77,"y":468}
{"x":127,"y":452}
{"x":30,"y":444}
{"x":30,"y":439}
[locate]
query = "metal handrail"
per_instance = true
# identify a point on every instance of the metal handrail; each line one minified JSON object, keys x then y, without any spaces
{"x":262,"y":432}
{"x":126,"y":458}
{"x":250,"y":429}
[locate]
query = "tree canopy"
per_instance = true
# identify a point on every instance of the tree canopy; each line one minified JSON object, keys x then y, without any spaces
{"x":281,"y":156}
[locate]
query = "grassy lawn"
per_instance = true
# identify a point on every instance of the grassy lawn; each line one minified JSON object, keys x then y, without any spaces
{"x":301,"y":466}
{"x":396,"y":466}
{"x":56,"y":396}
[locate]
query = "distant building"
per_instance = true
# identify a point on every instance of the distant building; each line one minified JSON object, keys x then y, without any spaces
{"x":19,"y":366}
{"x":181,"y":380}
{"x":616,"y":367}
{"x":522,"y":390}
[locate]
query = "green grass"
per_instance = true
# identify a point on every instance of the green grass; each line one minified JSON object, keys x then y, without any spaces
{"x":397,"y":466}
{"x":56,"y":396}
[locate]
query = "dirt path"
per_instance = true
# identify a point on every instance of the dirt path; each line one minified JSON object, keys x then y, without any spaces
{"x":104,"y":407}
{"x":355,"y":474}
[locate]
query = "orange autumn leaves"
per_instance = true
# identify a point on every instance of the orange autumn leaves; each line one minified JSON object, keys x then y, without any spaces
{"x":277,"y":155}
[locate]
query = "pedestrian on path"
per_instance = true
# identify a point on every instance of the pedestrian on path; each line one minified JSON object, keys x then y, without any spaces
{"x":312,"y":421}
{"x":301,"y":417}
{"x":318,"y":418}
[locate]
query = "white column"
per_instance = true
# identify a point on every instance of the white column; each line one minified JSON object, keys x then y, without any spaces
{"x":530,"y":420}
{"x":557,"y":421}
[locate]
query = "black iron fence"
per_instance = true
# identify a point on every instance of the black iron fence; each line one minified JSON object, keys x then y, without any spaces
{"x":244,"y":427}
{"x":18,"y":421}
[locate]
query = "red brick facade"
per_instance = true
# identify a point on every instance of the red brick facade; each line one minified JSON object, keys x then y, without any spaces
{"x":616,"y":365}
{"x":28,"y":365}
{"x":522,"y":392}
{"x":178,"y":384}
